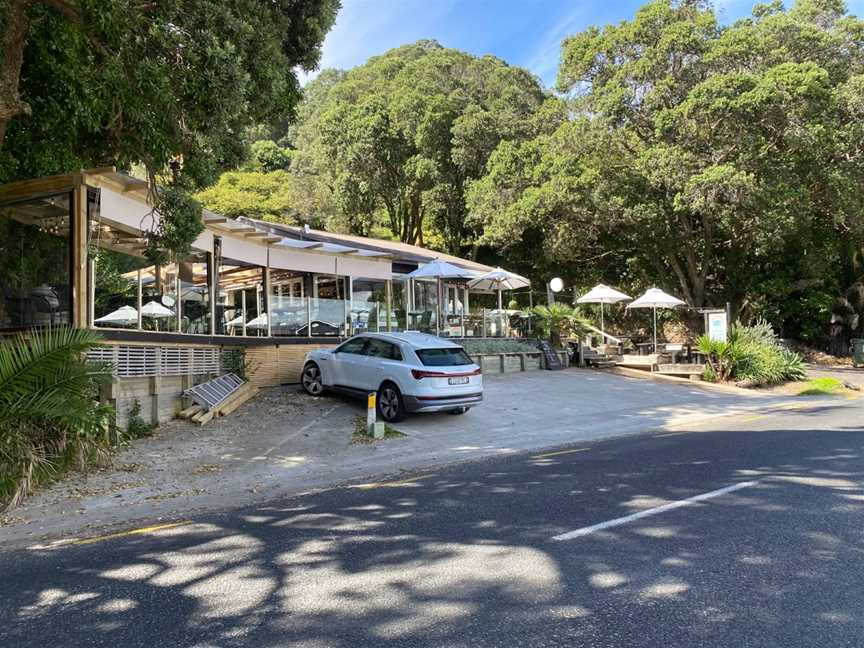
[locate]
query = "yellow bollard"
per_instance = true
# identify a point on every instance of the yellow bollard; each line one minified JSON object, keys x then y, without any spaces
{"x":374,"y":429}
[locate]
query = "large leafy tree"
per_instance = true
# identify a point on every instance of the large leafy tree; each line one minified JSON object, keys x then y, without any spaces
{"x":89,"y":82}
{"x":698,"y":156}
{"x":399,"y":138}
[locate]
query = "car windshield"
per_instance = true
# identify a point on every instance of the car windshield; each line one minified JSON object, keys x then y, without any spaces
{"x":450,"y":357}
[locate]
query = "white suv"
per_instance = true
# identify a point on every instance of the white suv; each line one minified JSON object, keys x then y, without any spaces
{"x":411,"y":372}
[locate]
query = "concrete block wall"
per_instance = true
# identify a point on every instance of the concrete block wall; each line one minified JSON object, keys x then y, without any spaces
{"x":160,"y":397}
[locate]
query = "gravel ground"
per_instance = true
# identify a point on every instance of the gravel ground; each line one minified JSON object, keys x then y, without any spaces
{"x":183,"y":463}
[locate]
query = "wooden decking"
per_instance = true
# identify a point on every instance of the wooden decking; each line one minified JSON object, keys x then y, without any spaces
{"x":660,"y":363}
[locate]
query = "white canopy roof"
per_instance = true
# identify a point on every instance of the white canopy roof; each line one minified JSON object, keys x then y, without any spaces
{"x":156,"y":310}
{"x":259,"y":322}
{"x":124,"y":315}
{"x":655,"y":298}
{"x":442,"y":270}
{"x":602,"y":294}
{"x":499,"y":279}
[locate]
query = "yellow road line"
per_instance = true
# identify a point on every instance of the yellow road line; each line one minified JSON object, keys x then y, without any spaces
{"x":132,"y":532}
{"x":393,"y":484}
{"x":559,"y":452}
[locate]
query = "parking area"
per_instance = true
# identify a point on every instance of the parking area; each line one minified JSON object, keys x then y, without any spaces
{"x":285,"y":442}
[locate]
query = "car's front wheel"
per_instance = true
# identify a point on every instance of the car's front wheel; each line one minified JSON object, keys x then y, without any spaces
{"x":311,"y":379}
{"x":391,"y":407}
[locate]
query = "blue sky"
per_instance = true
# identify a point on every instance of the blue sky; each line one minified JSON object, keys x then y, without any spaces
{"x":522,"y":32}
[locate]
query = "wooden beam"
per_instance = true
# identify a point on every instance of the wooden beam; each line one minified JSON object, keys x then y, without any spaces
{"x":80,"y":288}
{"x":213,"y":220}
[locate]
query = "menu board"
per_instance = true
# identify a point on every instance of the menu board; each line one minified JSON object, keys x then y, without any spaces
{"x":553,"y":360}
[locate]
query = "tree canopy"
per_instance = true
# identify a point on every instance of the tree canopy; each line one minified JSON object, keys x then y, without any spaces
{"x":92,"y":82}
{"x":724,"y":162}
{"x":400,"y":137}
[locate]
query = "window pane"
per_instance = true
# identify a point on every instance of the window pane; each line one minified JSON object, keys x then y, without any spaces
{"x":195,"y":294}
{"x":399,"y":299}
{"x":35,"y":263}
{"x":382,"y":349}
{"x":288,"y":303}
{"x":241,"y":299}
{"x":369,"y":306}
{"x":424,"y":313}
{"x":443,"y":357}
{"x":354,"y":345}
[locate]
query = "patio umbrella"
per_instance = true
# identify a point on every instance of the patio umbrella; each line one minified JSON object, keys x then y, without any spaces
{"x":655,"y":298}
{"x":123,"y":316}
{"x":602,"y":294}
{"x":499,"y":279}
{"x":157,"y":311}
{"x":439,"y":270}
{"x":259,"y":322}
{"x":237,"y":321}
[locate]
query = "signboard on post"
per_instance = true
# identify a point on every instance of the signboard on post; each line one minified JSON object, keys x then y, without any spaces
{"x":718,"y":326}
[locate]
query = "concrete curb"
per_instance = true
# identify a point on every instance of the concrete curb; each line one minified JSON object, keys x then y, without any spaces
{"x":700,"y":384}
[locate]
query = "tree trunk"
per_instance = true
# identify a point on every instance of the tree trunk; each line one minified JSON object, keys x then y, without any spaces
{"x":14,"y":42}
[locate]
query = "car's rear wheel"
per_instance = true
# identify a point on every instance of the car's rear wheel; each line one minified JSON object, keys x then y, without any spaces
{"x":311,"y":379}
{"x":391,"y":407}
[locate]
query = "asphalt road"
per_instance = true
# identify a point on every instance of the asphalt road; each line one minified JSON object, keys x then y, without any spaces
{"x":467,"y":556}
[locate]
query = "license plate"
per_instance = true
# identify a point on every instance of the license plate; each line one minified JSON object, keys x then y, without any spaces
{"x":462,"y":380}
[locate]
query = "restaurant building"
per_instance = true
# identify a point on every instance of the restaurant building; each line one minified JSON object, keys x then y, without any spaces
{"x":72,"y":253}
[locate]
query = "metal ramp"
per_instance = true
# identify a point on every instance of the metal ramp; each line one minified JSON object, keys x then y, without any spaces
{"x":213,"y":392}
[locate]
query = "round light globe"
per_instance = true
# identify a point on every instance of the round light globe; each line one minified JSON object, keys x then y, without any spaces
{"x":557,"y":285}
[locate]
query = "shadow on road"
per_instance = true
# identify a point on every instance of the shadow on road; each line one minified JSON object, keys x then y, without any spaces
{"x":465,"y":558}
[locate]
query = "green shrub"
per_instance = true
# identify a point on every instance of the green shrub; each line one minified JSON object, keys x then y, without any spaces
{"x":557,"y":320}
{"x":50,"y":418}
{"x":479,"y":347}
{"x":752,"y":356}
{"x":137,"y":427}
{"x":234,"y":361}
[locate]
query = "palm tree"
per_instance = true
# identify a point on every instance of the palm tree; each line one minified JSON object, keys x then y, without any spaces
{"x":49,"y":415}
{"x":556,"y":320}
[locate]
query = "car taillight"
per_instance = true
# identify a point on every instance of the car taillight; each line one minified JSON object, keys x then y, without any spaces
{"x":420,"y":374}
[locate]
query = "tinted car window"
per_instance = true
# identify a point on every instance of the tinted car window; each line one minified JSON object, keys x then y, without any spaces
{"x":382,"y":349}
{"x":443,"y":357}
{"x":354,"y":345}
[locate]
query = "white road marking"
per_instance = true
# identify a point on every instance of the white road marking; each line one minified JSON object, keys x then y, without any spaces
{"x":578,"y":533}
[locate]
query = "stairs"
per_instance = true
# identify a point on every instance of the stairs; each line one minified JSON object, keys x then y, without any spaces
{"x":597,"y":360}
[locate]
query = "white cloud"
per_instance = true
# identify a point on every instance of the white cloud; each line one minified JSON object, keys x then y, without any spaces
{"x":546,"y":55}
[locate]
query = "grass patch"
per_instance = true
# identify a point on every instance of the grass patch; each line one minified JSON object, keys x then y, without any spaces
{"x":821,"y":387}
{"x":360,"y":435}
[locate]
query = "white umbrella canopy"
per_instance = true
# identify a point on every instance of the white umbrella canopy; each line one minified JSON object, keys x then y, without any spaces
{"x":237,"y":321}
{"x":124,"y":316}
{"x":499,"y":279}
{"x":438,"y":269}
{"x":259,"y":322}
{"x":655,"y":298}
{"x":156,"y":310}
{"x":602,"y":294}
